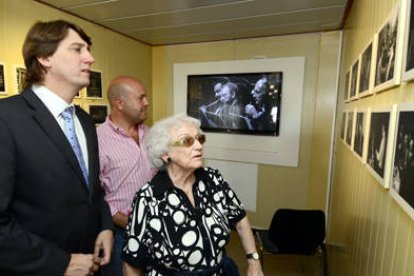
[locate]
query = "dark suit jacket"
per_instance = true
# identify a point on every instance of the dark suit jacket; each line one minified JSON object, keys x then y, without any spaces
{"x":46,"y":209}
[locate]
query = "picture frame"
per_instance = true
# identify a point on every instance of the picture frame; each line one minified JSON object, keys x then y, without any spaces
{"x":408,"y":52}
{"x":94,"y":89}
{"x":389,"y":41}
{"x":402,"y":176}
{"x":236,"y":103}
{"x":281,"y":150}
{"x":353,"y":89}
{"x":80,"y":93}
{"x":349,"y":127}
{"x":98,"y":112}
{"x":359,"y":139}
{"x":379,"y":143}
{"x":346,"y":86}
{"x":2,"y":79}
{"x":20,"y":74}
{"x":343,"y":126}
{"x":367,"y":66}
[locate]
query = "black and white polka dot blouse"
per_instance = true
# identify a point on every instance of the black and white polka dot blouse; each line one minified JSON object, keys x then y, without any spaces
{"x":166,"y":233}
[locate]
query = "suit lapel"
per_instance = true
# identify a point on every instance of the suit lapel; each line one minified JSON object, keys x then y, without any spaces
{"x":52,"y":129}
{"x":89,"y":135}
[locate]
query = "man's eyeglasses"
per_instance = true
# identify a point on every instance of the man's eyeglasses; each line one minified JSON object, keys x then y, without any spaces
{"x":188,"y":141}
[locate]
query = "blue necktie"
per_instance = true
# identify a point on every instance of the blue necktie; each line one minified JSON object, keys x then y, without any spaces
{"x":70,"y":133}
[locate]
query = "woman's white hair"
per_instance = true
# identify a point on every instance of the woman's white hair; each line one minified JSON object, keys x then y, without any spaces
{"x":159,"y":137}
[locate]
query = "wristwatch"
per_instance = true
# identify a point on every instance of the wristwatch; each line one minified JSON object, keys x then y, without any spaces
{"x":254,"y":256}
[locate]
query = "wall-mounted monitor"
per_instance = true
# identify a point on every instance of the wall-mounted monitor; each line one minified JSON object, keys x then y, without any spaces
{"x":242,"y":103}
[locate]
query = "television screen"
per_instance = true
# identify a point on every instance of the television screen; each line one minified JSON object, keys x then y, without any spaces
{"x":246,"y":103}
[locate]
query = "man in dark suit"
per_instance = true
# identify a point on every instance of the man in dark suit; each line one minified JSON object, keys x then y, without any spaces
{"x":53,"y":217}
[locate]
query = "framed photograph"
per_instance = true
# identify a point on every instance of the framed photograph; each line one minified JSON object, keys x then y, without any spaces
{"x":94,"y":90}
{"x":347,"y":80}
{"x":408,"y":60}
{"x":251,"y":76}
{"x":79,"y":95}
{"x":354,"y":80}
{"x":98,"y":113}
{"x":402,"y":179}
{"x":20,"y":78}
{"x":379,"y":142}
{"x":359,"y":134}
{"x":245,"y":103}
{"x":389,"y":50}
{"x":365,"y":72}
{"x":2,"y":79}
{"x":349,"y":127}
{"x":343,"y":126}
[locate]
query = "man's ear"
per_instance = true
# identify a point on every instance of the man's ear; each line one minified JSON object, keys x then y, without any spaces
{"x":119,"y":104}
{"x":44,"y":61}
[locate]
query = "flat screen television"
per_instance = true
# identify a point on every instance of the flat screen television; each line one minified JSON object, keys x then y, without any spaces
{"x":242,"y":103}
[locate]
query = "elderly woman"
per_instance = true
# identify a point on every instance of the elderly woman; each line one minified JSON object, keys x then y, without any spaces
{"x":181,"y":220}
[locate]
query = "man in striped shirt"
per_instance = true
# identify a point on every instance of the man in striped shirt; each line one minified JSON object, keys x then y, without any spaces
{"x":123,"y":157}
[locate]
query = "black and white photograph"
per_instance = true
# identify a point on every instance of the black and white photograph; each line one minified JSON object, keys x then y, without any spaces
{"x":343,"y":123}
{"x":408,"y":73}
{"x":403,"y":163}
{"x":365,"y":71}
{"x":247,"y":103}
{"x":386,"y":50}
{"x":98,"y":113}
{"x":94,"y":90}
{"x":349,"y":124}
{"x":354,"y":80}
{"x":2,"y":79}
{"x":359,"y":133}
{"x":20,"y":78}
{"x":377,"y":142}
{"x":346,"y":92}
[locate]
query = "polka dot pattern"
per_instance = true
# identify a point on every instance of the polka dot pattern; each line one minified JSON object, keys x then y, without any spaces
{"x":166,"y":231}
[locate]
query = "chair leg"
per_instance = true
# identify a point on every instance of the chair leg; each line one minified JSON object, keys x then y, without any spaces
{"x":324,"y":261}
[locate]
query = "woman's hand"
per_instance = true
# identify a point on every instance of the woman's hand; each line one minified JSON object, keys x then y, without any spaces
{"x":254,"y":268}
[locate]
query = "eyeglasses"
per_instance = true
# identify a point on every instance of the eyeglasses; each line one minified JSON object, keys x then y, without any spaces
{"x":188,"y":141}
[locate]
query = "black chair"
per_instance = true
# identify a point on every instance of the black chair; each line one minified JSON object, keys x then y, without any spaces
{"x":295,"y":232}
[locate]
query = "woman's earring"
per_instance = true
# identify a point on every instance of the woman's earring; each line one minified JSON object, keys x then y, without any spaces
{"x":168,"y":159}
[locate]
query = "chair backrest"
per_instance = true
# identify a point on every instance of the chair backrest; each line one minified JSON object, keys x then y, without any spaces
{"x":297,"y":231}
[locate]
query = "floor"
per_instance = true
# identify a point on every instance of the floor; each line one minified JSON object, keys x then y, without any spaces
{"x":274,"y":265}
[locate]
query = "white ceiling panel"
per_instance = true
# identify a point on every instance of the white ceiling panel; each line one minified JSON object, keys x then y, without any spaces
{"x":161,"y":22}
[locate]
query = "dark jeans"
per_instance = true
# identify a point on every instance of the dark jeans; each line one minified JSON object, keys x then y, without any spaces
{"x":114,"y":268}
{"x":227,"y":267}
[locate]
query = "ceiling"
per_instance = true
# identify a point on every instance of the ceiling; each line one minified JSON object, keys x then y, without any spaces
{"x":163,"y":22}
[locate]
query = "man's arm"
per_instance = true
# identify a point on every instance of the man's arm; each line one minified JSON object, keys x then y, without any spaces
{"x":21,"y":251}
{"x":120,"y":219}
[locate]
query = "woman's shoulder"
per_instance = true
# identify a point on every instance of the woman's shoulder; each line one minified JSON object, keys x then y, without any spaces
{"x":210,"y":175}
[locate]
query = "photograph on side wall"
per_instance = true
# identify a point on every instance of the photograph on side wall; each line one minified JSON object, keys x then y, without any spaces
{"x":98,"y":113}
{"x":245,"y":103}
{"x":354,"y":80}
{"x":387,"y":56}
{"x":359,"y":134}
{"x":20,"y":78}
{"x":349,"y":126}
{"x":365,"y":72}
{"x":343,"y":125}
{"x":408,"y":65}
{"x":402,"y":182}
{"x":94,"y":90}
{"x":347,"y":79}
{"x":2,"y":80}
{"x":377,"y":144}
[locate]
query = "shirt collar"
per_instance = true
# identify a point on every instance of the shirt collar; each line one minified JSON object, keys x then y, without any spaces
{"x":121,"y":130}
{"x":53,"y":102}
{"x":162,"y":181}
